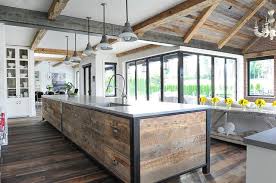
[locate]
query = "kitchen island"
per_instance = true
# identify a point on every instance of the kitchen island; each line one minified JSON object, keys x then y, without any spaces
{"x":138,"y":142}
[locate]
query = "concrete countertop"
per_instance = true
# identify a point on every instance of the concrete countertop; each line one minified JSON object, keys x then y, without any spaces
{"x":265,"y":139}
{"x":135,"y":109}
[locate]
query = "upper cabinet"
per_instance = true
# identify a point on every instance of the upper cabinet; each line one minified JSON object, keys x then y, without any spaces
{"x":17,"y":73}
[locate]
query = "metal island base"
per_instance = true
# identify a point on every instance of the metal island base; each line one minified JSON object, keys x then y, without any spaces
{"x":147,"y":142}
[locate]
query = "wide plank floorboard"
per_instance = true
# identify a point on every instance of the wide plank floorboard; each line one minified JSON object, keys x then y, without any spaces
{"x":38,"y":153}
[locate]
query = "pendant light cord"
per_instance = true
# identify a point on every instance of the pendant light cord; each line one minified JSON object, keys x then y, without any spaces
{"x":126,"y":11}
{"x":67,"y":45}
{"x":103,"y":4}
{"x":88,"y":20}
{"x":75,"y":41}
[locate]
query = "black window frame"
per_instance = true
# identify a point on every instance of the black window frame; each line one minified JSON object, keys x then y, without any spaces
{"x":89,"y":78}
{"x":248,"y":75}
{"x":181,"y":74}
{"x":115,"y":78}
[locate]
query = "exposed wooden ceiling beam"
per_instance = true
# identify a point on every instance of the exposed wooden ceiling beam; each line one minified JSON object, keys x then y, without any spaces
{"x":56,"y":8}
{"x":57,"y":64}
{"x":253,"y":42}
{"x":199,"y":22}
{"x":55,"y":51}
{"x":241,"y":22}
{"x":37,"y":38}
{"x":49,"y":59}
{"x":181,"y":9}
{"x":260,"y":54}
{"x":143,"y":48}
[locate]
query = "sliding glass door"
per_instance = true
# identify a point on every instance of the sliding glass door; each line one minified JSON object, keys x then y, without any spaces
{"x":141,"y":80}
{"x":131,"y":80}
{"x":205,"y":75}
{"x":170,"y":70}
{"x":190,"y":85}
{"x":219,"y":71}
{"x":155,"y":79}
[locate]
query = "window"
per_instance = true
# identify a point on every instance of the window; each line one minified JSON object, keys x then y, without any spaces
{"x":110,"y":72}
{"x":170,"y":68}
{"x":155,"y":79}
{"x":190,"y":78}
{"x":131,"y":80}
{"x":205,"y":75}
{"x":87,"y":79}
{"x":219,"y":79}
{"x":77,"y":83}
{"x":231,"y":82}
{"x":261,"y":77}
{"x":159,"y":78}
{"x":141,"y":80}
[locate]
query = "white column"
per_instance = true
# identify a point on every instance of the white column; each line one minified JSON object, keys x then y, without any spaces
{"x":3,"y":91}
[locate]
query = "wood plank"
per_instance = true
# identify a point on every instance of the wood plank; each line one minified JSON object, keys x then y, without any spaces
{"x":182,"y":9}
{"x":241,"y":22}
{"x":253,"y":42}
{"x":37,"y":38}
{"x":199,"y":22}
{"x":55,"y":51}
{"x":56,"y":8}
{"x":136,"y":50}
{"x":52,"y":112}
{"x":171,"y":145}
{"x":48,"y":59}
{"x":260,"y":54}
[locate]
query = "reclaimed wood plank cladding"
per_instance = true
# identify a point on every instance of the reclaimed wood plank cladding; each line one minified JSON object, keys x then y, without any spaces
{"x":105,"y":137}
{"x":52,"y":112}
{"x":170,"y":145}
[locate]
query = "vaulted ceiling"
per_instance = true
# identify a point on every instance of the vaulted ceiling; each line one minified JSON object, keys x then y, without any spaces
{"x":225,"y":25}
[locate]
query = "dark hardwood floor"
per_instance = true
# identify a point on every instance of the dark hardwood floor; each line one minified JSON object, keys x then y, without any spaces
{"x":39,"y":153}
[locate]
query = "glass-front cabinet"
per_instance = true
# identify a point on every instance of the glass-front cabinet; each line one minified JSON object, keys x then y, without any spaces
{"x":17,"y":73}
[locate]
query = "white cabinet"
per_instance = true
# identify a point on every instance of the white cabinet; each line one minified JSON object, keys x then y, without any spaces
{"x":18,"y":82}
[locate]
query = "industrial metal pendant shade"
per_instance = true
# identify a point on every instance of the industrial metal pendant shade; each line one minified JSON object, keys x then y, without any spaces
{"x":67,"y":59}
{"x":75,"y":58}
{"x":88,"y":50}
{"x":128,"y":35}
{"x":104,"y":44}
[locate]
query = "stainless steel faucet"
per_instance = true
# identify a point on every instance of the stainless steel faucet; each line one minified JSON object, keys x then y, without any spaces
{"x":123,"y":94}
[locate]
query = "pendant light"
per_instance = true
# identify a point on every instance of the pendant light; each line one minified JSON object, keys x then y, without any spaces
{"x":104,"y":45}
{"x":67,"y":59}
{"x":128,"y":35}
{"x":75,"y":58}
{"x":88,"y":50}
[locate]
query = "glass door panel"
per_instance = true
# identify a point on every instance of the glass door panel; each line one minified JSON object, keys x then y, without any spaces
{"x":205,"y":75}
{"x":154,"y":79}
{"x":23,"y":73}
{"x":141,"y":80}
{"x":11,"y":73}
{"x":190,"y":79}
{"x":231,"y":78}
{"x":131,"y":80}
{"x":219,"y":77}
{"x":170,"y":66}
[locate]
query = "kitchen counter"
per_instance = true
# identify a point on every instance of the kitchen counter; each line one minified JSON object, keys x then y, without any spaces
{"x":265,"y":139}
{"x":261,"y":157}
{"x":138,"y":142}
{"x":135,"y":109}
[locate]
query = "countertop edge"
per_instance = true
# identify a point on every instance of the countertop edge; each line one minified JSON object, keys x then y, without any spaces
{"x":262,"y":139}
{"x":148,"y":115}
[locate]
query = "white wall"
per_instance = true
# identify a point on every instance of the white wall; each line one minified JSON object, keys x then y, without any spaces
{"x":44,"y":68}
{"x":97,"y":62}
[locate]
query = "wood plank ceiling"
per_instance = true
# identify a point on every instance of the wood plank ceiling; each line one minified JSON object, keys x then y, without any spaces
{"x":225,"y":23}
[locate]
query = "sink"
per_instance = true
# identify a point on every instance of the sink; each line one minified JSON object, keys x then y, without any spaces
{"x":111,"y":104}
